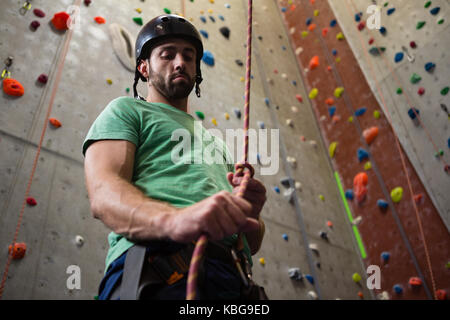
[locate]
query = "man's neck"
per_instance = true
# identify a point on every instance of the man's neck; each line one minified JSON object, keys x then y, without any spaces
{"x":180,"y":104}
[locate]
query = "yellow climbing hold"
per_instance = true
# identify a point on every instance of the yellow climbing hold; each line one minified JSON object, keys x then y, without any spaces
{"x":214,"y":121}
{"x":109,"y":81}
{"x":210,"y":11}
{"x":262,"y":261}
{"x":368,"y":165}
{"x":321,"y":197}
{"x":332,"y":149}
{"x":338,"y":59}
{"x":376,"y":114}
{"x":212,"y":1}
{"x":340,"y":36}
{"x":316,"y":13}
{"x":304,"y":34}
{"x":242,"y":79}
{"x":313,"y":94}
{"x":397,"y":194}
{"x":138,"y":10}
{"x":350,"y":119}
{"x":227,"y":116}
{"x":356,"y":277}
{"x":338,"y":92}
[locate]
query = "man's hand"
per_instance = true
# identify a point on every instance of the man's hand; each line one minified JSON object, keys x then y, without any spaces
{"x":255,"y":193}
{"x":217,"y":216}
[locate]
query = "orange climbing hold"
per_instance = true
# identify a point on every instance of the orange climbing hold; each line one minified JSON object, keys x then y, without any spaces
{"x":60,"y":19}
{"x":18,"y":251}
{"x":415,"y":282}
{"x":359,"y":186}
{"x":100,"y":20}
{"x":418,"y":198}
{"x":55,"y":122}
{"x":370,"y":134}
{"x":312,"y":27}
{"x":314,"y":63}
{"x":329,"y":101}
{"x":13,"y":87}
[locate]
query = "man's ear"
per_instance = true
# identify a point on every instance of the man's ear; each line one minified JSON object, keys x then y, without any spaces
{"x":143,"y":69}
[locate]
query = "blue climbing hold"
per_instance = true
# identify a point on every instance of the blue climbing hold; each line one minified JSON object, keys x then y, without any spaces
{"x":266,"y":100}
{"x":398,"y":289}
{"x":309,"y":278}
{"x":383,"y":30}
{"x":448,"y":142}
{"x":333,"y":23}
{"x":349,"y":194}
{"x":208,"y":58}
{"x":221,"y":17}
{"x":285,"y":236}
{"x":283,"y":9}
{"x":360,"y":112}
{"x":435,"y":11}
{"x":212,"y":19}
{"x":331,"y":110}
{"x":237,"y":113}
{"x":382,"y":204}
{"x":203,"y":19}
{"x":358,"y":17}
{"x":294,"y":82}
{"x":399,"y":57}
{"x":276,"y":189}
{"x":308,"y":21}
{"x":390,"y":11}
{"x":227,"y":5}
{"x":362,"y":154}
{"x":283,"y":47}
{"x":204,"y":33}
{"x":385,"y":256}
{"x":429,"y":67}
{"x":334,"y":52}
{"x":411,"y":113}
{"x":261,"y":124}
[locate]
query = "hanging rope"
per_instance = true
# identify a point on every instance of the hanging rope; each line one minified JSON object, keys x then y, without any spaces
{"x":191,"y":288}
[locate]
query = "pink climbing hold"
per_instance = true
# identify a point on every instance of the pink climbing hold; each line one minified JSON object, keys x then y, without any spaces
{"x":39,"y":13}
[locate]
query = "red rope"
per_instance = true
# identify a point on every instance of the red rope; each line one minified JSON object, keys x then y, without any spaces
{"x":191,"y":288}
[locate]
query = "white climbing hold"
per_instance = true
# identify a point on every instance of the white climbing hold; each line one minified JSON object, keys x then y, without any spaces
{"x":292,"y":161}
{"x":298,"y":185}
{"x":357,"y":220}
{"x":314,"y":247}
{"x":294,"y":273}
{"x":289,"y":194}
{"x":383,"y":296}
{"x":298,"y":50}
{"x":312,"y":295}
{"x":79,"y":240}
{"x":289,"y":122}
{"x":313,"y":143}
{"x":294,"y":109}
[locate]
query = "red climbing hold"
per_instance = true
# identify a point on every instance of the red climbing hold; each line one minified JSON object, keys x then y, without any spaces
{"x":87,"y":2}
{"x":31,"y":201}
{"x":13,"y":87}
{"x":413,"y":45}
{"x":100,"y":20}
{"x":359,"y":186}
{"x":361,"y":25}
{"x":421,"y":91}
{"x":299,"y":98}
{"x":60,"y":19}
{"x":314,"y":63}
{"x":418,"y":198}
{"x":329,"y":68}
{"x":39,"y":13}
{"x":415,"y":282}
{"x":324,"y":31}
{"x":18,"y":251}
{"x":34,"y":25}
{"x":441,"y":294}
{"x":371,"y":41}
{"x":43,"y":78}
{"x":55,"y":122}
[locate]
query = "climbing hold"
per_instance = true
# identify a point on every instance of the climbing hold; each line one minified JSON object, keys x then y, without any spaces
{"x":362,"y":154}
{"x":413,"y":113}
{"x":87,"y":2}
{"x":166,"y":10}
{"x":340,"y":36}
{"x":286,"y":182}
{"x":13,"y":87}
{"x":441,"y":21}
{"x":312,"y":295}
{"x":334,"y":52}
{"x":329,"y":224}
{"x":421,"y":91}
{"x":382,"y":204}
{"x":79,"y":240}
{"x":222,"y":18}
{"x":203,"y":19}
{"x":305,"y":34}
{"x":445,"y":91}
{"x":204,"y":33}
{"x":212,"y":19}
{"x":435,"y":11}
{"x":31,"y":201}
{"x":361,"y":25}
{"x":225,"y":31}
{"x":262,"y":261}
{"x":228,"y":6}
{"x":292,"y":161}
{"x":367,"y":165}
{"x":316,"y":13}
{"x":359,"y":186}
{"x":420,"y":25}
{"x":109,"y":81}
{"x":34,"y":25}
{"x":333,"y":23}
{"x":294,"y":82}
{"x":417,"y":198}
{"x":289,"y":195}
{"x":310,"y":278}
{"x":399,"y":57}
{"x":371,"y":41}
{"x":313,"y":94}
{"x":55,"y":122}
{"x":360,"y":294}
{"x":298,"y":185}
{"x":208,"y":58}
{"x":397,"y":194}
{"x":312,"y":27}
{"x":376,"y":50}
{"x":329,"y":101}
{"x":376,"y":114}
{"x":331,"y":111}
{"x":200,"y":115}
{"x":276,"y":189}
{"x":289,"y":122}
{"x":227,"y":116}
{"x":59,"y":20}
{"x":398,"y":289}
{"x":285,"y":236}
{"x":399,"y":91}
{"x":298,"y":50}
{"x":338,"y":92}
{"x":357,"y":17}
{"x":43,"y":78}
{"x":415,"y":282}
{"x":385,"y":256}
{"x":427,"y":4}
{"x":370,"y":134}
{"x":323,"y":235}
{"x":383,"y":31}
{"x":294,"y":273}
{"x":390,"y":11}
{"x":356,"y":277}
{"x":429,"y":67}
{"x":349,"y":194}
{"x":299,"y":98}
{"x":18,"y":250}
{"x":321,"y":197}
{"x":383,"y":296}
{"x":441,"y":294}
{"x":214,"y":121}
{"x":261,"y":124}
{"x":101,"y":20}
{"x":138,"y":10}
{"x":332,"y":149}
{"x":324,"y":32}
{"x":39,"y":13}
{"x":357,"y":220}
{"x":239,"y":62}
{"x":314,"y":62}
{"x":413,"y":44}
{"x":360,"y":112}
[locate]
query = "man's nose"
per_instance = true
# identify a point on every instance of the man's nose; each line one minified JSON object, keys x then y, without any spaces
{"x":179,"y":62}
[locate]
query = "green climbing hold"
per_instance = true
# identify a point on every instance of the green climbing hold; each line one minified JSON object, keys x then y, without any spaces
{"x":338,"y":92}
{"x":376,"y":114}
{"x":332,"y":149}
{"x":200,"y":115}
{"x":420,"y":24}
{"x":441,"y":21}
{"x":415,"y":78}
{"x":445,"y":91}
{"x":138,"y":20}
{"x":167,"y":11}
{"x":127,"y":90}
{"x":386,"y":4}
{"x":440,"y":153}
{"x":427,"y":4}
{"x":399,"y":91}
{"x":397,"y":194}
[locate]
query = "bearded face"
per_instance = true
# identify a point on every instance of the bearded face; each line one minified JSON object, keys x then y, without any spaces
{"x":173,"y":86}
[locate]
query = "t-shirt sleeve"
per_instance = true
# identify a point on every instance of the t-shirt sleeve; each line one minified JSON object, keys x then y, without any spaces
{"x":118,"y":121}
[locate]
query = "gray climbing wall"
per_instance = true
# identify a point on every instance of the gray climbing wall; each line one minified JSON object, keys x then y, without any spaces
{"x":384,"y":75}
{"x":62,"y":212}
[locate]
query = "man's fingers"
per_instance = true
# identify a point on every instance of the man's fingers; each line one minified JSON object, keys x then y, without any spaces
{"x":251,"y":225}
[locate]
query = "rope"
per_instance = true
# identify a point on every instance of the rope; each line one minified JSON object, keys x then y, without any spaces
{"x":55,"y":87}
{"x":191,"y":289}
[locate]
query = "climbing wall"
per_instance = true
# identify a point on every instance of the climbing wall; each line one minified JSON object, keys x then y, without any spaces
{"x":398,"y":226}
{"x":311,"y":249}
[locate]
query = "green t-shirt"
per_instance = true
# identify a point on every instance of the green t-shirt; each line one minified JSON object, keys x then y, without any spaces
{"x":168,"y":165}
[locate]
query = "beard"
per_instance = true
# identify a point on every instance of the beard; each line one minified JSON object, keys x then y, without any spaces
{"x":170,"y":89}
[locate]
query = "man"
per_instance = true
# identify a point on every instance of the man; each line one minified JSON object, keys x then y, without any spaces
{"x":151,"y":202}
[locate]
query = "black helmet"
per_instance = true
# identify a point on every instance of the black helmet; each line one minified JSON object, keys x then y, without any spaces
{"x":163,"y":27}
